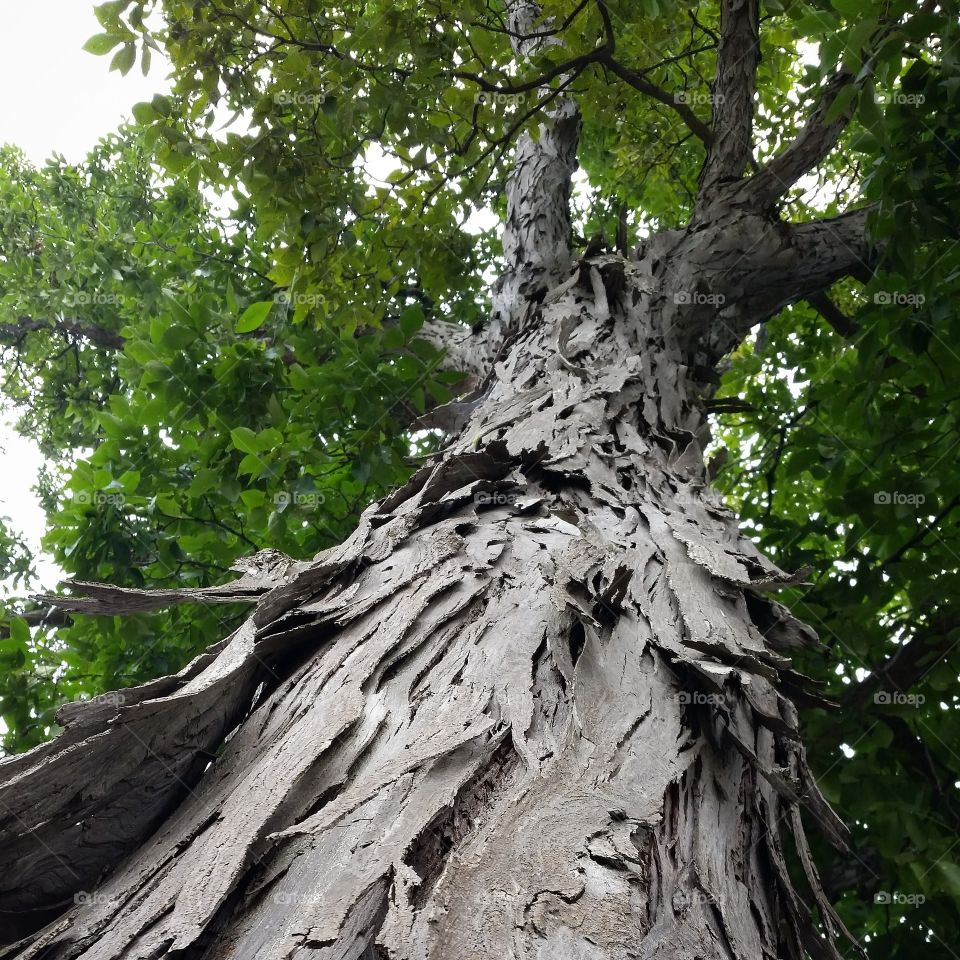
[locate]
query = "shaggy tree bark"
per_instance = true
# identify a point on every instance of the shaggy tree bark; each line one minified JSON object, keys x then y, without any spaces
{"x":538,"y":705}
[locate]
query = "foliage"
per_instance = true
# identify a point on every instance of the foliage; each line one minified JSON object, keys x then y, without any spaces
{"x":188,"y":435}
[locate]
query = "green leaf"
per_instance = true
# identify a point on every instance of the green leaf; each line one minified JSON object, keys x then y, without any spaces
{"x":253,"y":317}
{"x":144,"y":113}
{"x":177,"y":336}
{"x":20,"y":631}
{"x":252,"y":465}
{"x":245,"y":440}
{"x":102,"y":43}
{"x":851,"y":8}
{"x":124,"y":58}
{"x":162,"y":104}
{"x":411,"y":319}
{"x":841,"y":102}
{"x":951,"y":874}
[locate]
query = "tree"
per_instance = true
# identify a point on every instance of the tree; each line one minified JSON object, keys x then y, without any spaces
{"x":539,"y":702}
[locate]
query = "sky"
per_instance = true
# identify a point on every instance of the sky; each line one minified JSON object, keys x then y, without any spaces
{"x":54,"y":98}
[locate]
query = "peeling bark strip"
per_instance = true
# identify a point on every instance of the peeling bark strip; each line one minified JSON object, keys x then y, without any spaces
{"x":538,"y":705}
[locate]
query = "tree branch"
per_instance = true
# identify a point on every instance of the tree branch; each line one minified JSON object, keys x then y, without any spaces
{"x":45,"y":616}
{"x":799,"y":261}
{"x":536,"y":233}
{"x":810,"y":147}
{"x":837,"y":319}
{"x":734,"y":85}
{"x":820,"y":135}
{"x":908,"y":665}
{"x":639,"y":82}
{"x":12,"y":334}
{"x":697,"y":127}
{"x":921,"y":535}
{"x":464,"y":351}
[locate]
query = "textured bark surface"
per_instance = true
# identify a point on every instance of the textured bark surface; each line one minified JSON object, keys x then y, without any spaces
{"x":538,"y":705}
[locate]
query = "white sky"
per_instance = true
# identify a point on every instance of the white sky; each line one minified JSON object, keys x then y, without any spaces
{"x":54,"y":98}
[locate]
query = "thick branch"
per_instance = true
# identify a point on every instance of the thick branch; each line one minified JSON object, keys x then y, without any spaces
{"x":733,"y":90}
{"x":262,"y":571}
{"x":799,"y":262}
{"x":40,"y":617}
{"x":823,"y":129}
{"x":812,"y":144}
{"x":536,"y":234}
{"x":12,"y":334}
{"x":815,"y":255}
{"x":464,"y":351}
{"x":837,"y":319}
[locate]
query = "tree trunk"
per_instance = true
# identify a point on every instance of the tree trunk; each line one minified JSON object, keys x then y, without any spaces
{"x":536,"y":706}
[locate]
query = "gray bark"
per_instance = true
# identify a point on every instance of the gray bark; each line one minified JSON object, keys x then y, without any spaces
{"x":535,"y":706}
{"x":538,"y":705}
